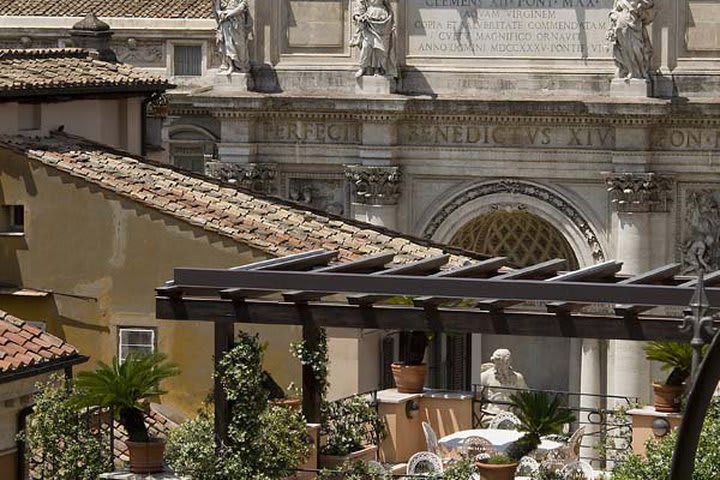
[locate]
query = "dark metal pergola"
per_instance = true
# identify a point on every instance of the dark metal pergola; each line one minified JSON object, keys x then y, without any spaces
{"x":314,"y":291}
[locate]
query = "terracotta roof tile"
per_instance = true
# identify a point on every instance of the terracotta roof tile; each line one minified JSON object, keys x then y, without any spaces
{"x":70,"y":70}
{"x":104,"y":8}
{"x":23,"y":346}
{"x":271,"y":225}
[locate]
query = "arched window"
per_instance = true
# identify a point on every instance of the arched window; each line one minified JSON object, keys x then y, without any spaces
{"x":191,"y":146}
{"x":523,"y":237}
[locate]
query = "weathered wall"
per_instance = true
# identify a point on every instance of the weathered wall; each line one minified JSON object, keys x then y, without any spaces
{"x":114,"y":122}
{"x":103,"y":256}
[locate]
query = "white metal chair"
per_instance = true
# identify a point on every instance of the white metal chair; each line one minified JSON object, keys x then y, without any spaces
{"x":505,"y":421}
{"x":431,"y":439}
{"x":528,"y":467}
{"x":424,"y":462}
{"x":579,"y":470}
{"x":475,"y":446}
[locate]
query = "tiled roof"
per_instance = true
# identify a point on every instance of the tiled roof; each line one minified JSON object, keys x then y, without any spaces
{"x":268,"y":224}
{"x":104,"y":8}
{"x":68,"y":71}
{"x":25,"y":347}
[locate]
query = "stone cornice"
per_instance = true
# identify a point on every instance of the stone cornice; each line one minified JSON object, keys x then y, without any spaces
{"x":640,"y":191}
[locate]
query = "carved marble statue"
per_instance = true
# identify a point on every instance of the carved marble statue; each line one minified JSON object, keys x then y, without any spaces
{"x":499,"y":380}
{"x":375,"y":37}
{"x":234,"y":32}
{"x":632,"y":48}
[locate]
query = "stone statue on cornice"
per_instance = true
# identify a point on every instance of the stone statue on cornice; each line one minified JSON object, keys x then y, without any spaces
{"x":632,"y":48}
{"x":234,"y":32}
{"x":375,"y":37}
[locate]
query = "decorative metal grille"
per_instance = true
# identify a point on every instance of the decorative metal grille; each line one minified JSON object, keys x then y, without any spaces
{"x":519,"y":235}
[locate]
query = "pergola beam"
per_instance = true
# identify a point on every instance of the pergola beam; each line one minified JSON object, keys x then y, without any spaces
{"x":395,"y":317}
{"x":394,"y":285}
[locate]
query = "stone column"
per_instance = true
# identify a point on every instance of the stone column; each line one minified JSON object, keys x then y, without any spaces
{"x":641,"y":202}
{"x":375,"y":191}
{"x":256,"y":177}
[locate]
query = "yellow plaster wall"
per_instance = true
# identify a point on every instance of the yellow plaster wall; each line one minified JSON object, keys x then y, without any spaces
{"x":103,"y":256}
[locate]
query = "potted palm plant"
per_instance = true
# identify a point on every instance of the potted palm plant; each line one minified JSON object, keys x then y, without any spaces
{"x":676,"y":357}
{"x":123,"y":387}
{"x":540,"y":414}
{"x":409,"y":374}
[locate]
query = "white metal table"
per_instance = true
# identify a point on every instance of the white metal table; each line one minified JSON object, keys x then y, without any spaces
{"x":500,"y":439}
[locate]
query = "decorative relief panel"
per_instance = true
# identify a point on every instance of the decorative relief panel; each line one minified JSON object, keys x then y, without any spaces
{"x":640,"y":192}
{"x":700,"y":220}
{"x":256,"y":177}
{"x":324,"y":192}
{"x":508,"y":28}
{"x":489,"y":135}
{"x":140,"y":53}
{"x":315,"y":23}
{"x":374,"y":185}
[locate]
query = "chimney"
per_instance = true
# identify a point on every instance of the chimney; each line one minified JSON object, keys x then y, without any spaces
{"x":93,"y":34}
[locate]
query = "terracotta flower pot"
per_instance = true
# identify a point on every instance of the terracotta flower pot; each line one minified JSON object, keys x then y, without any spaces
{"x":667,"y":397}
{"x":409,"y":378}
{"x":287,"y":402}
{"x":336,"y":461}
{"x":147,"y":457}
{"x":496,"y":472}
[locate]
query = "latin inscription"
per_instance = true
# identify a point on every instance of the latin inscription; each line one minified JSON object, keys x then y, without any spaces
{"x":508,"y":136}
{"x":508,"y":28}
{"x":686,"y":139}
{"x":309,"y":132}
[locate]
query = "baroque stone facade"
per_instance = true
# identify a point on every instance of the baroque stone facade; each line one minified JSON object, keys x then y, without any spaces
{"x":640,"y":192}
{"x":374,"y":185}
{"x":700,"y":247}
{"x":256,"y":177}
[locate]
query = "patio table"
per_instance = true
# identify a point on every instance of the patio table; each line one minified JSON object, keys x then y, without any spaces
{"x":500,"y":439}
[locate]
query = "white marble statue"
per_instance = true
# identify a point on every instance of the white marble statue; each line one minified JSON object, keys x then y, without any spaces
{"x":375,"y":37}
{"x":632,"y":48}
{"x":500,"y":374}
{"x":234,"y":32}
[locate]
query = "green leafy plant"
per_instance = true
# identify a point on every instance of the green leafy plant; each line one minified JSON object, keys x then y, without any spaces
{"x":349,"y":425}
{"x":317,"y":359}
{"x":122,"y":387}
{"x":354,"y":470}
{"x":676,"y":357}
{"x":499,"y":459}
{"x":60,"y":437}
{"x":265,"y":441}
{"x":655,"y":465}
{"x":462,"y":470}
{"x":540,"y":414}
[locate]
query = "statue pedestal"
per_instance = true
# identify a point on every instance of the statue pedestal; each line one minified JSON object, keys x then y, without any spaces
{"x":232,"y":83}
{"x":634,"y":87}
{"x":375,"y":85}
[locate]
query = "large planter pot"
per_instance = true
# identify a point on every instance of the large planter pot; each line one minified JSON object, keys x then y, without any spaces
{"x":496,"y":472}
{"x":409,"y":378}
{"x":667,"y":397}
{"x":295,"y":403}
{"x":147,"y":457}
{"x":335,"y":461}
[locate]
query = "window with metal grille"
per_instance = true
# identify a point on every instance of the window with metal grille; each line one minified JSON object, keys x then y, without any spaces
{"x":135,"y":340}
{"x":187,"y":60}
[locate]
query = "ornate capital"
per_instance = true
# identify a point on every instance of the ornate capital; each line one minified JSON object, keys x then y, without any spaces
{"x":373,"y":185}
{"x":640,"y":192}
{"x":256,"y":177}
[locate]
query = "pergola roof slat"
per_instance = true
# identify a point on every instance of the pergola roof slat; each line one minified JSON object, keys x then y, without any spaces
{"x":656,"y":275}
{"x":365,"y":265}
{"x":422,"y":267}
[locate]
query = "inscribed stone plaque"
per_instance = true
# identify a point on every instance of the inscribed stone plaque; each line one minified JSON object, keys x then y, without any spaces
{"x":315,"y":23}
{"x":508,"y":28}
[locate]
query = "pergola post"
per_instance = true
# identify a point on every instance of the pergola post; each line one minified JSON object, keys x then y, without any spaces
{"x":311,"y":388}
{"x":224,"y":339}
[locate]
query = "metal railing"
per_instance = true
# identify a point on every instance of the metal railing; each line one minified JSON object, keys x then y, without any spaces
{"x":608,"y":429}
{"x":371,"y":433}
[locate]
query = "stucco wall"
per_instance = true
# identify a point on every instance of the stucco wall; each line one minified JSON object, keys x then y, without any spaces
{"x":114,"y":122}
{"x":103,"y":256}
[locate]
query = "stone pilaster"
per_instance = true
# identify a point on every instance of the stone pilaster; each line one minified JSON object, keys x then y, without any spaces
{"x":641,"y":204}
{"x":375,"y":191}
{"x":256,"y":177}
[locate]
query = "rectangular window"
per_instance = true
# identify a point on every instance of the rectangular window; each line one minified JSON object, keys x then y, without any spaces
{"x":29,"y":116}
{"x":187,"y":60}
{"x":140,"y":340}
{"x":13,"y":219}
{"x":189,"y":157}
